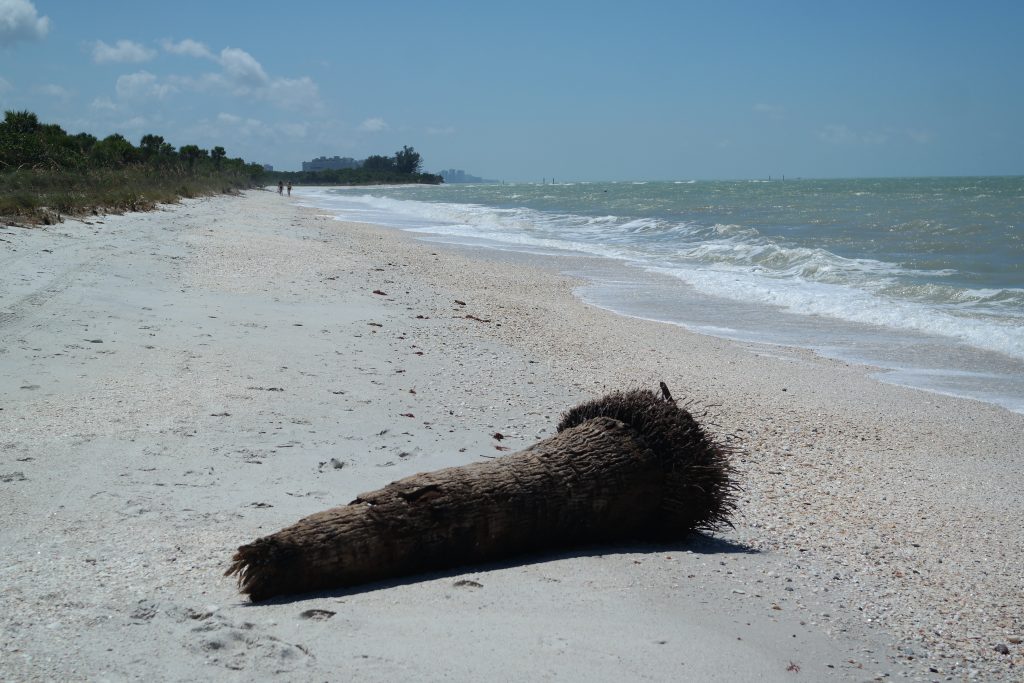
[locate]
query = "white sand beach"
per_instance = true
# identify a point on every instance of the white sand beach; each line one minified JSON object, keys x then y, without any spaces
{"x":174,"y":384}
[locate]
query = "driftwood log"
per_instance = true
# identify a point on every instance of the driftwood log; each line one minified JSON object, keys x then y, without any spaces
{"x":629,"y":466}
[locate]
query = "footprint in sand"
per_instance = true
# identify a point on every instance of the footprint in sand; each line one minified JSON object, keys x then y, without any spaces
{"x":236,"y":646}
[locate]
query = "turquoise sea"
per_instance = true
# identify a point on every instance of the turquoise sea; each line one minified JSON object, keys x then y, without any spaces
{"x":922,"y":277}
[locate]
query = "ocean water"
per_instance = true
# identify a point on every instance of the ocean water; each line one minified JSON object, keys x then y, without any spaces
{"x":921,"y":277}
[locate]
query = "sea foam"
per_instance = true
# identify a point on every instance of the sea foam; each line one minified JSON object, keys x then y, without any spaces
{"x":871,"y":253}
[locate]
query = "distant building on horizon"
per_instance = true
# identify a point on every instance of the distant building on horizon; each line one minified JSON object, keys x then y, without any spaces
{"x":457,"y":175}
{"x":330,"y":164}
{"x":268,"y":167}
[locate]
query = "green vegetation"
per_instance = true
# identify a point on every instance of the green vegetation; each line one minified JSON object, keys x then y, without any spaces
{"x":402,"y":168}
{"x":46,"y":172}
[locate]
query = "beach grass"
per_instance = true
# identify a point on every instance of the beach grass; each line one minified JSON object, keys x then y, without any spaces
{"x":37,"y":196}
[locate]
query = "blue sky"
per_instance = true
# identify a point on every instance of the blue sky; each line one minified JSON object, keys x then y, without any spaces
{"x":525,"y":90}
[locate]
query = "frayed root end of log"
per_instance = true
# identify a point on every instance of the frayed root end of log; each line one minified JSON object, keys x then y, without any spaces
{"x":700,"y":491}
{"x":258,"y":565}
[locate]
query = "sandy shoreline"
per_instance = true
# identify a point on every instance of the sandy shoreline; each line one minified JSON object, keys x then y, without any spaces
{"x":178,"y":382}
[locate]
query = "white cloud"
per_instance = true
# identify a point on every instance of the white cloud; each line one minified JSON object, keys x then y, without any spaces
{"x":5,"y":85}
{"x":19,"y":20}
{"x":373,"y":125}
{"x":244,"y":127}
{"x":51,"y":90}
{"x":293,"y":130}
{"x":204,"y":83}
{"x":286,"y":93}
{"x":243,"y":76}
{"x":294,"y":93}
{"x":242,"y":68}
{"x":187,"y":47}
{"x":447,"y":130}
{"x":837,"y":133}
{"x":134,"y":85}
{"x":142,"y":84}
{"x":122,"y":51}
{"x":134,"y":123}
{"x":103,"y":104}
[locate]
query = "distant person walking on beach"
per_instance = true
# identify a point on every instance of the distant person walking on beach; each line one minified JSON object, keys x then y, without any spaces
{"x":289,"y":188}
{"x":280,"y":187}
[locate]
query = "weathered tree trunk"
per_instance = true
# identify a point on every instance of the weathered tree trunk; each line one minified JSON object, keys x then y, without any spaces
{"x":629,"y":466}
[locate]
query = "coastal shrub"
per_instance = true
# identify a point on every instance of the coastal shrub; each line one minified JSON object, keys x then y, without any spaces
{"x":45,"y":171}
{"x":16,"y":204}
{"x":65,"y":202}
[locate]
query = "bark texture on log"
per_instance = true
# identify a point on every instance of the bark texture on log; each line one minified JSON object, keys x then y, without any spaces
{"x":629,"y":466}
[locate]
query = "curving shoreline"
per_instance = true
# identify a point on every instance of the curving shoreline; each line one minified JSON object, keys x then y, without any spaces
{"x":242,"y":353}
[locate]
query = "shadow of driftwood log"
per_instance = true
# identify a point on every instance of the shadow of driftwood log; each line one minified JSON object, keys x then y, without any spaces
{"x":703,"y":544}
{"x":632,"y":466}
{"x":698,"y":543}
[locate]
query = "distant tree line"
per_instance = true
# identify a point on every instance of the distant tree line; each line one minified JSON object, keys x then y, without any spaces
{"x":46,"y":172}
{"x":25,"y":143}
{"x":404,"y":167}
